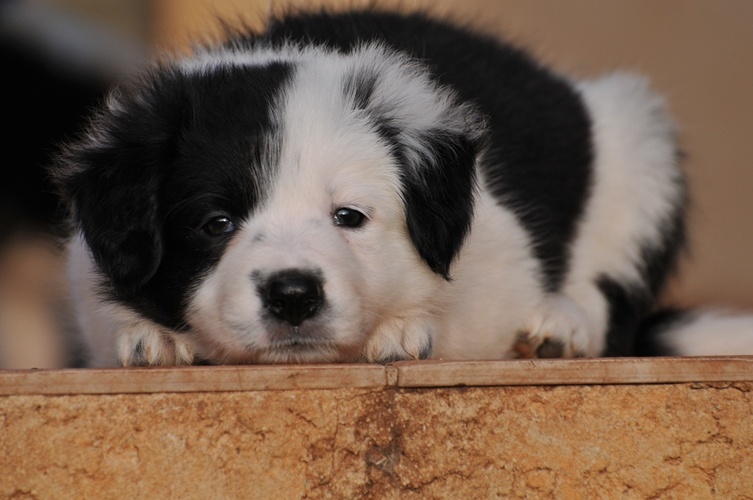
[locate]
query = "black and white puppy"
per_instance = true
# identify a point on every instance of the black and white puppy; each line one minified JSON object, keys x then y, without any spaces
{"x":372,"y":187}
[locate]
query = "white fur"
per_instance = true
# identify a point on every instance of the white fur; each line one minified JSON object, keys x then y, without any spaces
{"x":495,"y":289}
{"x":636,"y":177}
{"x":711,"y":333}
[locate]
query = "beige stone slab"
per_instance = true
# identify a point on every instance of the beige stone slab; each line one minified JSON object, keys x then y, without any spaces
{"x":554,"y":428}
{"x":575,"y":441}
{"x":254,"y":444}
{"x":606,"y":441}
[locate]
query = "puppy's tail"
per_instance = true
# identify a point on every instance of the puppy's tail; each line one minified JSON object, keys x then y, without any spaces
{"x":695,"y":332}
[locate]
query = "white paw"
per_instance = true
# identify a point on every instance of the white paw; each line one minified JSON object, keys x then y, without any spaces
{"x":559,"y":328}
{"x":142,"y":345}
{"x":399,"y":340}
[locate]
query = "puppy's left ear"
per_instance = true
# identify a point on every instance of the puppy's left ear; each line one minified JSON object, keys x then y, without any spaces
{"x":436,"y":140}
{"x":439,"y":187}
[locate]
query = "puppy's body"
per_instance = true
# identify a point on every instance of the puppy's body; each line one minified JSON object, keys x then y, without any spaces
{"x":370,"y":187}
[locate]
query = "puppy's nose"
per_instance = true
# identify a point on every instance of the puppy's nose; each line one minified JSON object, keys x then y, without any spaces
{"x":292,"y":296}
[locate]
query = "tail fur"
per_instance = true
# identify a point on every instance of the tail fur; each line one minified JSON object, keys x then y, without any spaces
{"x":696,"y":332}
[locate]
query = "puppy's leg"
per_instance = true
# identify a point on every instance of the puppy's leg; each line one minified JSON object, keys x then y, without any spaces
{"x":400,"y":339}
{"x":559,"y":328}
{"x":142,"y":344}
{"x":629,"y":233}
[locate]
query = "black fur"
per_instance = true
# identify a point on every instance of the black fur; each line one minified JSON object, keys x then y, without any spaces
{"x":628,"y":305}
{"x":649,"y":341}
{"x":439,"y":201}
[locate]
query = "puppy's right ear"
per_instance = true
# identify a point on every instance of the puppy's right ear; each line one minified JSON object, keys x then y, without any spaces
{"x":110,"y":179}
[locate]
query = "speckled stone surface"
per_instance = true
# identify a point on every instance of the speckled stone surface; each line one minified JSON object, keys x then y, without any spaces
{"x":587,"y":441}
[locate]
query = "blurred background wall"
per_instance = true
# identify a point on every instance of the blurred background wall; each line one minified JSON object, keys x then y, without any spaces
{"x":696,"y":52}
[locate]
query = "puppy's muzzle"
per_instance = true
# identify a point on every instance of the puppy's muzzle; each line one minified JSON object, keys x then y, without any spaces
{"x":292,"y":296}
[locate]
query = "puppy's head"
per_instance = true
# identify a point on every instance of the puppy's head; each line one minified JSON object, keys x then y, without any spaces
{"x":277,"y":205}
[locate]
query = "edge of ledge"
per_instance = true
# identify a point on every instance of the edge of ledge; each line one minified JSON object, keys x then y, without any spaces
{"x":409,"y":374}
{"x":190,"y":379}
{"x":598,"y":371}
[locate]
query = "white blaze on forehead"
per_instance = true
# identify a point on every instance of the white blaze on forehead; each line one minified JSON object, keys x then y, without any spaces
{"x":332,"y":155}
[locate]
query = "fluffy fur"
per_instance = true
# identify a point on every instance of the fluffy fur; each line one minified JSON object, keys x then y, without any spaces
{"x":370,"y":187}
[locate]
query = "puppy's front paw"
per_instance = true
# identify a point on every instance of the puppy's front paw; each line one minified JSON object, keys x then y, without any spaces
{"x":399,"y":340}
{"x":558,"y":329}
{"x":142,"y":345}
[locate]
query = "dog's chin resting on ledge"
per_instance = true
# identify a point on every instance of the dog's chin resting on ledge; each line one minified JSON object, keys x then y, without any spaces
{"x":376,"y":187}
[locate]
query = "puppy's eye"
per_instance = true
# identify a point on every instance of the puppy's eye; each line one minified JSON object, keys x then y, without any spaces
{"x":347,"y":217}
{"x":219,"y":226}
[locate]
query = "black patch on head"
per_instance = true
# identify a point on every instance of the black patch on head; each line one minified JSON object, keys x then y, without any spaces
{"x":176,"y":150}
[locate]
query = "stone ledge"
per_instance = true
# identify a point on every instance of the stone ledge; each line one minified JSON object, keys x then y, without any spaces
{"x":404,"y":374}
{"x":585,"y":428}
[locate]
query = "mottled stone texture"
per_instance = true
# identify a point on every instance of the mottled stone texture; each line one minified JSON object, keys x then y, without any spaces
{"x":628,"y":441}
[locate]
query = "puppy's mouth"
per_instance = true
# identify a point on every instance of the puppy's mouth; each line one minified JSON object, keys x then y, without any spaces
{"x":302,"y":345}
{"x":283,"y":344}
{"x":297,"y":353}
{"x":296,"y":340}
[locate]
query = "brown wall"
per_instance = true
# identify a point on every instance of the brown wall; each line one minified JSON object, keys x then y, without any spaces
{"x":698,"y":53}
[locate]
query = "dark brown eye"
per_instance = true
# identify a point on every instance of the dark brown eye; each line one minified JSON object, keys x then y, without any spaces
{"x":219,"y":226}
{"x":347,"y":217}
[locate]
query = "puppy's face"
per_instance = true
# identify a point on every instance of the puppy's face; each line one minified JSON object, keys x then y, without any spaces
{"x":277,"y":207}
{"x":319,"y":261}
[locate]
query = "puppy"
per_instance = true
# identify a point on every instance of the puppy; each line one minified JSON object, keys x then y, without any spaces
{"x":372,"y":187}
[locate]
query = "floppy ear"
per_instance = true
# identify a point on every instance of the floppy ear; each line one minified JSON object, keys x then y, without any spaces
{"x":436,"y":140}
{"x":439,"y":195}
{"x":110,"y":179}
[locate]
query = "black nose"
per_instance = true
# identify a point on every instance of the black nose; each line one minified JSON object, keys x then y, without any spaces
{"x":292,"y":296}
